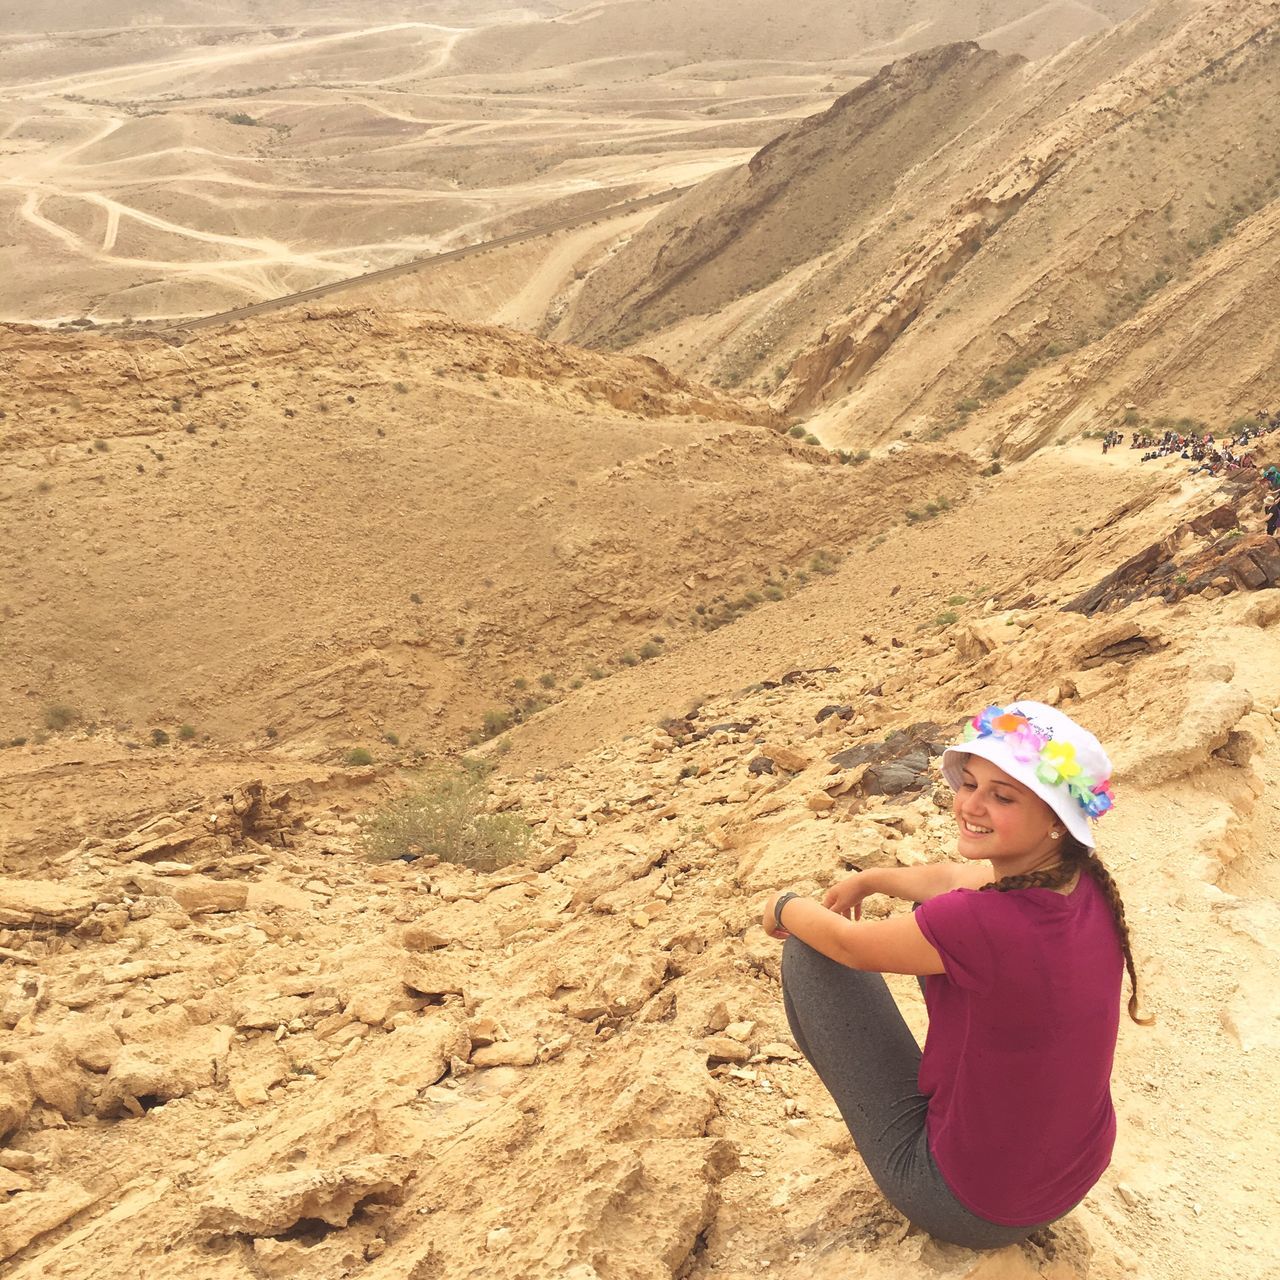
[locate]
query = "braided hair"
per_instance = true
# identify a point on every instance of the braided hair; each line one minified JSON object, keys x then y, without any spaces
{"x":1078,"y":857}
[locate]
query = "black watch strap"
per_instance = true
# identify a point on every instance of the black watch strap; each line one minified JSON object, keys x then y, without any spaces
{"x":782,"y":901}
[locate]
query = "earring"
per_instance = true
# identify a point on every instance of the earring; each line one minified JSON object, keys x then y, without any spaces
{"x":1053,"y":835}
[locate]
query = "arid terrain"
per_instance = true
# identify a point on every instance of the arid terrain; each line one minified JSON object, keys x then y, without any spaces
{"x":679,"y":543}
{"x":195,"y":159}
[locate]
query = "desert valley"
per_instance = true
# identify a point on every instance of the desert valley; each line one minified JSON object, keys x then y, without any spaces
{"x":694,"y":415}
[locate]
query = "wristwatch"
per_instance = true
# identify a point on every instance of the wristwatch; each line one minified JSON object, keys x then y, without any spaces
{"x":782,"y":901}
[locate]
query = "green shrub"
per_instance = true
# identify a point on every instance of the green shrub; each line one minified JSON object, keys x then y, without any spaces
{"x":946,"y":619}
{"x":957,"y":600}
{"x":520,"y":683}
{"x":798,"y":432}
{"x":774,"y":593}
{"x":628,"y":659}
{"x":358,"y":756}
{"x":547,"y":680}
{"x":595,"y":673}
{"x":967,"y":405}
{"x":446,"y":817}
{"x":810,"y":438}
{"x":159,"y":738}
{"x":496,"y":721}
{"x":576,"y":682}
{"x":650,"y":650}
{"x":60,"y":716}
{"x":187,"y":732}
{"x":392,"y":738}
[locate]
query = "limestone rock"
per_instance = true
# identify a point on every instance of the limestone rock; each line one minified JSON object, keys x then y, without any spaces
{"x":507,"y":1053}
{"x":43,"y":904}
{"x":16,"y":1098}
{"x":166,"y":1070}
{"x":271,"y":1203}
{"x":786,"y":757}
{"x":434,"y":975}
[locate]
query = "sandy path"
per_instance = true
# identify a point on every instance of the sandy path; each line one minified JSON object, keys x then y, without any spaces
{"x":135,"y":74}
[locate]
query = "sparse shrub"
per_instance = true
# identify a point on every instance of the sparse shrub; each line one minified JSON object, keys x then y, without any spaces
{"x":272,"y":732}
{"x":994,"y":469}
{"x":1131,"y":418}
{"x":954,"y":600}
{"x":774,"y":593}
{"x":240,"y":117}
{"x":187,"y":732}
{"x":650,"y":650}
{"x":414,"y":598}
{"x":913,"y":516}
{"x":576,"y":682}
{"x":1180,"y":579}
{"x":754,"y":597}
{"x":931,"y":508}
{"x":798,"y":432}
{"x":358,"y":756}
{"x":59,"y":716}
{"x":496,"y":721}
{"x":947,"y":618}
{"x":159,"y":738}
{"x":547,"y":680}
{"x":810,"y":438}
{"x":520,"y":683}
{"x":967,"y":405}
{"x":595,"y":673}
{"x":862,"y":455}
{"x":628,"y":659}
{"x":392,"y":738}
{"x":18,"y":742}
{"x":400,"y":388}
{"x":101,"y":446}
{"x":446,"y":817}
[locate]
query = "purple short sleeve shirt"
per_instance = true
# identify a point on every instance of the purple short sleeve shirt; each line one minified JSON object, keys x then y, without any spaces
{"x":1022,"y":1033}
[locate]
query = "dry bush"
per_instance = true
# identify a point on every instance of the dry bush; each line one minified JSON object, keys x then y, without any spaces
{"x":445,"y":816}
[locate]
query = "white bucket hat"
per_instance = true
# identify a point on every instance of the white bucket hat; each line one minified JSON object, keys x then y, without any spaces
{"x":1048,"y":753}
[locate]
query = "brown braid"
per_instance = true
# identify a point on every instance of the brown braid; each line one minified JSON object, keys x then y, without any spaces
{"x":1079,"y":857}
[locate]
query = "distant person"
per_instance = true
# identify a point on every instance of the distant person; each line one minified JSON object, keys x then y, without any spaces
{"x":1273,"y":518}
{"x":1006,"y":1121}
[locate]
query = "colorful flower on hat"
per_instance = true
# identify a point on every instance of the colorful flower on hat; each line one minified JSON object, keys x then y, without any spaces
{"x":1054,"y":760}
{"x":1058,"y":763}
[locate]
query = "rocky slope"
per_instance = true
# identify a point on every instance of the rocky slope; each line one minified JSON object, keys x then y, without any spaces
{"x":1060,"y":204}
{"x":237,"y":1048}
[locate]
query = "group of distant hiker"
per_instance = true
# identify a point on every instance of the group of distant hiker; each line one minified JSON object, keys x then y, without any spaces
{"x":1210,"y":456}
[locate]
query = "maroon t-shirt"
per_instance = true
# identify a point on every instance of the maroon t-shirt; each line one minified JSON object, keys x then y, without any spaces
{"x":1022,"y":1032}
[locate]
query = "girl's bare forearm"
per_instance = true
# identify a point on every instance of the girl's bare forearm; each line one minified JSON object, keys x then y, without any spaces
{"x":919,"y":884}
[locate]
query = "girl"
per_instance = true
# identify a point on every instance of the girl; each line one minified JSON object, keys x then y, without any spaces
{"x":1005,"y":1121}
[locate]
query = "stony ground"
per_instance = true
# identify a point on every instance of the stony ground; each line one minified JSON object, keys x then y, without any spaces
{"x":237,"y":1047}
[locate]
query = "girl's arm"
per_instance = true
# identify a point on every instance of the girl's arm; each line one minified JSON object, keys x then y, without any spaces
{"x":885,"y":946}
{"x":912,"y":884}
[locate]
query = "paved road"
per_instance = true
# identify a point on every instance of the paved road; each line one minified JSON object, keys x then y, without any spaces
{"x":417,"y":264}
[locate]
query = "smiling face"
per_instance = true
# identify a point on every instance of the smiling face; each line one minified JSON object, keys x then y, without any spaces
{"x":1003,"y":821}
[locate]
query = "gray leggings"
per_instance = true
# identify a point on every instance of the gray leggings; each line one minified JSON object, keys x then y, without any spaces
{"x":848,"y":1025}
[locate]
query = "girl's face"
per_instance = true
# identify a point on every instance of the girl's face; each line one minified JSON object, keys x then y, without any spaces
{"x":999,"y":818}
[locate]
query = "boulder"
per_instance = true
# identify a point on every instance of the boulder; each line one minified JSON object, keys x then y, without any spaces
{"x":159,"y":1072}
{"x":272,"y":1203}
{"x":43,"y":904}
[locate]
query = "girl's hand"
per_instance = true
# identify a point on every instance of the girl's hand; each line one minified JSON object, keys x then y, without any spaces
{"x":845,"y":896}
{"x":768,"y":921}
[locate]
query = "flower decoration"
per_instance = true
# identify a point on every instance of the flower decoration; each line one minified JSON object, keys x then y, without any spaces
{"x":1054,"y":759}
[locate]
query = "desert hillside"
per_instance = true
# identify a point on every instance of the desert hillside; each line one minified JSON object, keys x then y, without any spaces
{"x":194,"y":158}
{"x":404,"y":717}
{"x":997,"y":248}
